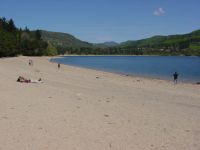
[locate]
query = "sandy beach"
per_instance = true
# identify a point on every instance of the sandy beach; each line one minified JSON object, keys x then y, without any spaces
{"x":83,"y":109}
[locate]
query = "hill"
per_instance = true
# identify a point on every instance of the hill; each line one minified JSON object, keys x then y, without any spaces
{"x":186,"y":44}
{"x":59,"y":39}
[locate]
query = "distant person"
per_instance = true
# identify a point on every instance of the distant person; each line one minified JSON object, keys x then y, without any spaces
{"x":58,"y":66}
{"x":30,"y":62}
{"x":175,"y":75}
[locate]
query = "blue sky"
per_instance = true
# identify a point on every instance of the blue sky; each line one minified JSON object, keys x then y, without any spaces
{"x":105,"y":20}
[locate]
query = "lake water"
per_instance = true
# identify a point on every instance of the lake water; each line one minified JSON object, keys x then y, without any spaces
{"x":161,"y":67}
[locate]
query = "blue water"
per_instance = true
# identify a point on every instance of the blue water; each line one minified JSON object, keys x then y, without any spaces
{"x":161,"y":67}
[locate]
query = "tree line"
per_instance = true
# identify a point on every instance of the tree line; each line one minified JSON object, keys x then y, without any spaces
{"x":16,"y":41}
{"x":98,"y":51}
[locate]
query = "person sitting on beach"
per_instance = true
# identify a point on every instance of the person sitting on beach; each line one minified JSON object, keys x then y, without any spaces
{"x":24,"y":80}
{"x":175,"y":77}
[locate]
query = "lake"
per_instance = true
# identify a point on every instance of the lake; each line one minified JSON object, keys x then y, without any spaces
{"x":160,"y":67}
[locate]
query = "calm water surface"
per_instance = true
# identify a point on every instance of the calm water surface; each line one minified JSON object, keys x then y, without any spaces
{"x":161,"y":67}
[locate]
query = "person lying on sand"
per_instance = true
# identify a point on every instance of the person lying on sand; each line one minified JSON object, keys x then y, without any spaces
{"x":37,"y":81}
{"x":24,"y":80}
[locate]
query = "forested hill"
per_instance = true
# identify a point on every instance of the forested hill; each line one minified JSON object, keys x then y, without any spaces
{"x":63,"y":39}
{"x":16,"y":41}
{"x":186,"y":44}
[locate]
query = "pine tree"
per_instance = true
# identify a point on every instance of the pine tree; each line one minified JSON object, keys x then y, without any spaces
{"x":11,"y":25}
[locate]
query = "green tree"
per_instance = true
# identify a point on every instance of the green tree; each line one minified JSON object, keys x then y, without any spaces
{"x":38,"y":35}
{"x":11,"y":26}
{"x":50,"y":50}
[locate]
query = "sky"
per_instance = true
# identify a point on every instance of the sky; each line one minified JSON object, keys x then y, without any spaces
{"x":99,"y":21}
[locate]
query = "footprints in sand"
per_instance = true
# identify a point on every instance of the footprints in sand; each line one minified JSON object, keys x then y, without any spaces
{"x":36,"y":70}
{"x":79,"y":99}
{"x":4,"y":117}
{"x":187,"y":130}
{"x":105,"y":115}
{"x":110,"y":123}
{"x":108,"y":119}
{"x":79,"y":96}
{"x":40,"y":128}
{"x":110,"y":145}
{"x":137,"y":80}
{"x":107,"y":99}
{"x":43,"y":130}
{"x":30,"y":105}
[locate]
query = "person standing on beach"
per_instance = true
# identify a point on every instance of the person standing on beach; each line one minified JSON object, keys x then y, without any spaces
{"x":58,"y":66}
{"x":30,"y":62}
{"x":175,"y":77}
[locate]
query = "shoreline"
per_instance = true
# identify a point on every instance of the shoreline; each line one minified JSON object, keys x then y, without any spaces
{"x":185,"y":81}
{"x":84,"y":109}
{"x":129,"y":55}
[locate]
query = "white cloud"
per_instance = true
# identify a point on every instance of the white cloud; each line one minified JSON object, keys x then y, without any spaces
{"x":159,"y":12}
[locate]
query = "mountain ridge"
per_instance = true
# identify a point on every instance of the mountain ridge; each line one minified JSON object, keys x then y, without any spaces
{"x":156,"y":37}
{"x":60,"y":39}
{"x":177,"y":44}
{"x":56,"y":39}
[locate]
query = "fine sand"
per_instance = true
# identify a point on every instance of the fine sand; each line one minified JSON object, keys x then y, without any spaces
{"x":83,"y":109}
